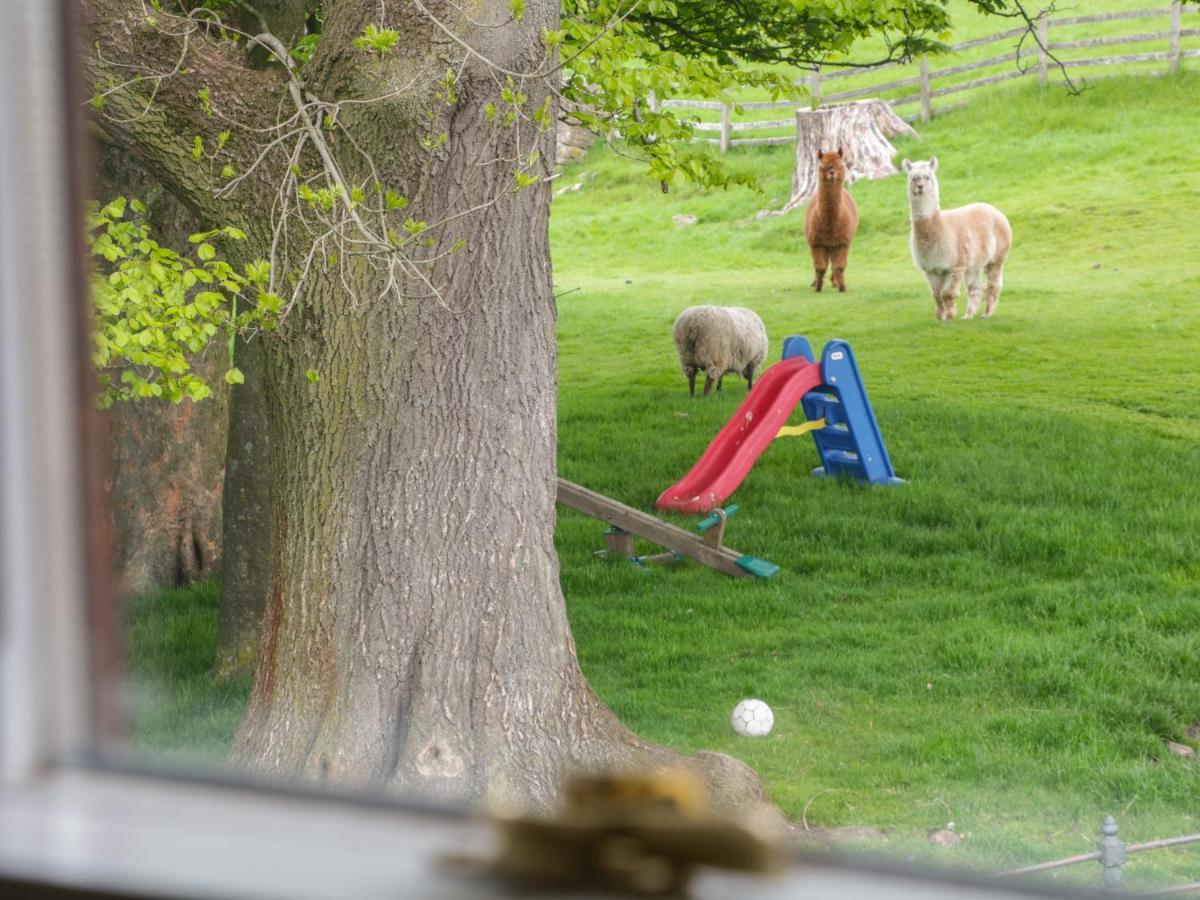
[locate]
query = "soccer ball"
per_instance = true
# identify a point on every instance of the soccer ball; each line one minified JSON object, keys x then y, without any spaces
{"x":752,"y":718}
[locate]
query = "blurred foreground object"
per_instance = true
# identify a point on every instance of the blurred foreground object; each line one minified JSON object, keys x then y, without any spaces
{"x":628,"y":833}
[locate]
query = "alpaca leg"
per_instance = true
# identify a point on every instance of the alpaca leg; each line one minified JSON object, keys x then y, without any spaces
{"x":974,"y":294}
{"x":950,"y":293}
{"x":820,"y":257}
{"x":839,"y":257}
{"x":935,"y":285}
{"x":995,"y":281}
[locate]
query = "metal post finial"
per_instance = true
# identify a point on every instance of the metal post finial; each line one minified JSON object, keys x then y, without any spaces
{"x":1112,"y":854}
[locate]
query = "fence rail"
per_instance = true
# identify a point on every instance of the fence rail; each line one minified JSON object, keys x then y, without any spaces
{"x":1112,"y":854}
{"x":1027,"y":62}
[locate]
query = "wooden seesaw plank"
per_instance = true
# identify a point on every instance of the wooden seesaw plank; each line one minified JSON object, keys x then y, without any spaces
{"x":652,"y":529}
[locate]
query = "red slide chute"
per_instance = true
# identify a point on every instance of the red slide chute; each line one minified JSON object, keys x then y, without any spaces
{"x":739,"y":444}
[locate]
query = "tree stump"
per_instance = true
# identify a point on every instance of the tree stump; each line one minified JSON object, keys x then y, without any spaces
{"x":861,"y":129}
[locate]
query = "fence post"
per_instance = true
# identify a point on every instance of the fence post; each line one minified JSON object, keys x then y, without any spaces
{"x":814,"y":86}
{"x":1176,"y":9}
{"x":926,"y":107}
{"x":1112,"y":855}
{"x":1043,"y":46}
{"x":726,"y":128}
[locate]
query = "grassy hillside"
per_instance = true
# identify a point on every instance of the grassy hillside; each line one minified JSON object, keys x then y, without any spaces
{"x":969,"y":25}
{"x":1007,"y":641}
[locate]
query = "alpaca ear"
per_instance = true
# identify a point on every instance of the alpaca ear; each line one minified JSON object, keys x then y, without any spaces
{"x":933,"y":163}
{"x":840,"y":153}
{"x":905,"y":165}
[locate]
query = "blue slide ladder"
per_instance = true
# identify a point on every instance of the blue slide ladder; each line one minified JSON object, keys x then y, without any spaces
{"x":850,"y":444}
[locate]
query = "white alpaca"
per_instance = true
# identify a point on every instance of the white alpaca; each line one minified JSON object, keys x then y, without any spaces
{"x":955,"y":244}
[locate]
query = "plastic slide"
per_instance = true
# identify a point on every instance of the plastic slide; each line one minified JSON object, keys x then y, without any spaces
{"x":739,"y":444}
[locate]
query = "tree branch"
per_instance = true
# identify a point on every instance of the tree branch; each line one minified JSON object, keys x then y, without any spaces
{"x":147,"y":69}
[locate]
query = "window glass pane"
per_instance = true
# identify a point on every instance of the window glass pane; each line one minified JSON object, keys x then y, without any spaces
{"x":414,"y":487}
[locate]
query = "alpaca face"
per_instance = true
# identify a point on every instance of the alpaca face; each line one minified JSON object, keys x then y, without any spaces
{"x":831,"y":167}
{"x":921,"y":176}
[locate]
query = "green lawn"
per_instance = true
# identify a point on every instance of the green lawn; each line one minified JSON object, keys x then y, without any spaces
{"x":1007,"y":641}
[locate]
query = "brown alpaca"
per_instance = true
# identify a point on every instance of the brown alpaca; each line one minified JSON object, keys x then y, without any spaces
{"x":831,"y":220}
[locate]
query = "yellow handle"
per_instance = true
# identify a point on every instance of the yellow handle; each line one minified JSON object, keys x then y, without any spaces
{"x":793,"y":430}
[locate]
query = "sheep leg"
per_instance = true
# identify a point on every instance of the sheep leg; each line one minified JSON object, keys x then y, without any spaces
{"x":691,"y":377}
{"x":974,"y":294}
{"x":820,"y":257}
{"x":839,"y":257}
{"x":749,"y":375}
{"x":995,"y":281}
{"x":720,"y":381}
{"x":708,"y":383}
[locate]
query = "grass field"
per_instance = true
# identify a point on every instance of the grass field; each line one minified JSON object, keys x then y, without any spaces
{"x":1009,"y":640}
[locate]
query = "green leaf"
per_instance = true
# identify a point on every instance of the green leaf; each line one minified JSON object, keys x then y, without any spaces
{"x":235,"y":376}
{"x":313,"y":376}
{"x":377,"y":40}
{"x":305,"y":47}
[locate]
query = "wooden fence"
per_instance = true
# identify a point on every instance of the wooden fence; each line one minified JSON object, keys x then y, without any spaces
{"x":1017,"y":63}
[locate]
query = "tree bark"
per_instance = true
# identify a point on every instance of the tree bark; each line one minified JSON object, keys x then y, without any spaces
{"x":861,"y":129}
{"x":166,"y":463}
{"x":248,"y":527}
{"x":415,"y":637}
{"x":248,"y":532}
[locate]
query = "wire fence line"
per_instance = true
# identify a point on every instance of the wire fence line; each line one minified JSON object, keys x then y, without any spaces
{"x":1020,"y":63}
{"x":1112,"y":853}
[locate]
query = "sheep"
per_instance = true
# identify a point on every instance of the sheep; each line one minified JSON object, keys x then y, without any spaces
{"x":719,"y":339}
{"x":955,"y":244}
{"x":831,"y":220}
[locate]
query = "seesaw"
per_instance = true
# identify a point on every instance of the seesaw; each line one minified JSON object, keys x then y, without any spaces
{"x":707,"y":547}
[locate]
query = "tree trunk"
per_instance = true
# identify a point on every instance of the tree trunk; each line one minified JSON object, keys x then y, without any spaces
{"x":415,"y":637}
{"x":248,"y":524}
{"x":861,"y":129}
{"x":166,"y":465}
{"x":248,"y":528}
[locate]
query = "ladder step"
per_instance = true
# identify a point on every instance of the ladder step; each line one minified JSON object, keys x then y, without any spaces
{"x":820,"y":396}
{"x":832,"y":439}
{"x":843,"y":457}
